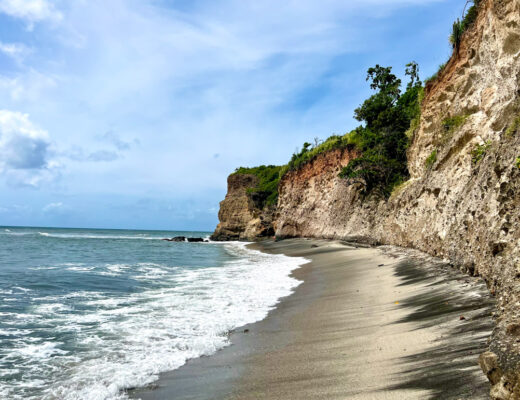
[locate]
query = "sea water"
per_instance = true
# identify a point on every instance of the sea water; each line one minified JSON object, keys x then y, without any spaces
{"x":86,"y":314}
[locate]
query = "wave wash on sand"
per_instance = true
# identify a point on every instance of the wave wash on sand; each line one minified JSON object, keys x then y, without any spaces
{"x":367,"y":323}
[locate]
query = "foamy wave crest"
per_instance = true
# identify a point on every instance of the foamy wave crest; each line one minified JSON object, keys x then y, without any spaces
{"x":11,"y":233}
{"x":128,"y":340}
{"x":92,"y":236}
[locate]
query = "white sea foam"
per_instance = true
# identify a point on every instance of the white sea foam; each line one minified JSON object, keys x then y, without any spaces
{"x":128,"y":340}
{"x":22,"y":289}
{"x":78,"y":268}
{"x":40,"y":350}
{"x":10,"y":233}
{"x":14,"y":332}
{"x":43,"y":268}
{"x":97,"y":236}
{"x":51,"y":308}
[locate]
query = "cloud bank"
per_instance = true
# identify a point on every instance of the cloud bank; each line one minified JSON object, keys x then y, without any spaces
{"x":134,"y":99}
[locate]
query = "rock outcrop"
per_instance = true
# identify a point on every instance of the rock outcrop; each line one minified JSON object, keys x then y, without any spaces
{"x":239,"y":215}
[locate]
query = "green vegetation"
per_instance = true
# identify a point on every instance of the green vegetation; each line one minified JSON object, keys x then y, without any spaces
{"x":399,"y":188}
{"x":382,"y":140}
{"x":309,"y":151}
{"x":517,"y":162}
{"x":266,"y":193}
{"x":436,"y":75}
{"x":432,"y":159}
{"x":480,"y":151}
{"x":416,"y":120}
{"x":471,"y":15}
{"x":459,"y":27}
{"x":387,"y":116}
{"x":451,"y":124}
{"x":514,"y":127}
{"x":456,"y":34}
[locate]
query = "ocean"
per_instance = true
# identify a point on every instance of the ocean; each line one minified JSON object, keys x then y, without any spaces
{"x":86,"y":314}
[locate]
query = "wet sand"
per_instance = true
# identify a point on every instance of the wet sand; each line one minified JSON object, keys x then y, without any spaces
{"x":365,"y":323}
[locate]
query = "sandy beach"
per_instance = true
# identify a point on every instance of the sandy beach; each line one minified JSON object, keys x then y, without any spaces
{"x":366,"y":323}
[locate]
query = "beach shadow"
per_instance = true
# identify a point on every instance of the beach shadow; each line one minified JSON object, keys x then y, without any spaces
{"x":463,"y":307}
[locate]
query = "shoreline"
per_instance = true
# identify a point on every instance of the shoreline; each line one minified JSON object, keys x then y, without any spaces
{"x":353,"y":329}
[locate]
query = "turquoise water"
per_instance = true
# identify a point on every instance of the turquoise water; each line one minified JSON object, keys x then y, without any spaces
{"x":86,"y":314}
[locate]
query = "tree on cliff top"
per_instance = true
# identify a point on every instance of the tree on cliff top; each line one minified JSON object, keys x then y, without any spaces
{"x":382,"y":139}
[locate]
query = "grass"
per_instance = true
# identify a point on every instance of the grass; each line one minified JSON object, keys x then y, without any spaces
{"x":266,"y":192}
{"x":480,"y":150}
{"x":431,"y":159}
{"x":399,"y":188}
{"x":514,"y":127}
{"x":459,"y":27}
{"x":435,"y":76}
{"x":310,"y":152}
{"x":456,"y":34}
{"x":416,"y":121}
{"x":450,"y":125}
{"x":414,"y":124}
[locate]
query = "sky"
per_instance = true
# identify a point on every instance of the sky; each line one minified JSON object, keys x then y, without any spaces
{"x":132,"y":113}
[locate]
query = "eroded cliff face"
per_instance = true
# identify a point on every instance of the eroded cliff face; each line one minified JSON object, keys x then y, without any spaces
{"x":465,"y":206}
{"x":239,"y":215}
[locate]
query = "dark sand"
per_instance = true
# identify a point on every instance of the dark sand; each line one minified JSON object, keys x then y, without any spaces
{"x":352,"y":330}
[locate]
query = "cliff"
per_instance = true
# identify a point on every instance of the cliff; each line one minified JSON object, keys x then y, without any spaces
{"x":240,"y":215}
{"x":462,"y":202}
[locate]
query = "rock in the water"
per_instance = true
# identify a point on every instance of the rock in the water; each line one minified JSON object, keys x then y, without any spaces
{"x":176,"y":239}
{"x":195,"y":240}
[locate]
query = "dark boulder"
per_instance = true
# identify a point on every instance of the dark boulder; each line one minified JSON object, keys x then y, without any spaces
{"x":176,"y":239}
{"x":192,"y":240}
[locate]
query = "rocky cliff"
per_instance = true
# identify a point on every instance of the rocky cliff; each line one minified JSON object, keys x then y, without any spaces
{"x":462,"y":202}
{"x":240,"y":215}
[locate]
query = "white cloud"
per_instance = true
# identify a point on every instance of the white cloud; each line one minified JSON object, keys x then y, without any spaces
{"x":16,"y":51}
{"x":24,"y":151}
{"x":53,"y":207}
{"x":28,"y":85}
{"x":30,"y":10}
{"x":203,"y":86}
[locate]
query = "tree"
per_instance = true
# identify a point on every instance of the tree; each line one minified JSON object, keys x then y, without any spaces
{"x":412,"y":70}
{"x":382,"y":139}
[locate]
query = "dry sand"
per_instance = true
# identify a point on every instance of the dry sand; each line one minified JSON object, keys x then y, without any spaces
{"x":353,"y":330}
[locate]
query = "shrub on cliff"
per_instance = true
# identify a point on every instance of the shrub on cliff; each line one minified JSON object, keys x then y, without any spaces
{"x":431,"y":159}
{"x":266,"y":192}
{"x":479,"y":151}
{"x":459,"y":27}
{"x":436,"y":75}
{"x":382,"y":140}
{"x":310,"y":151}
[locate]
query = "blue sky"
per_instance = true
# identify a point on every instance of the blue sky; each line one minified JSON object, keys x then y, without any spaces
{"x":131,"y":113}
